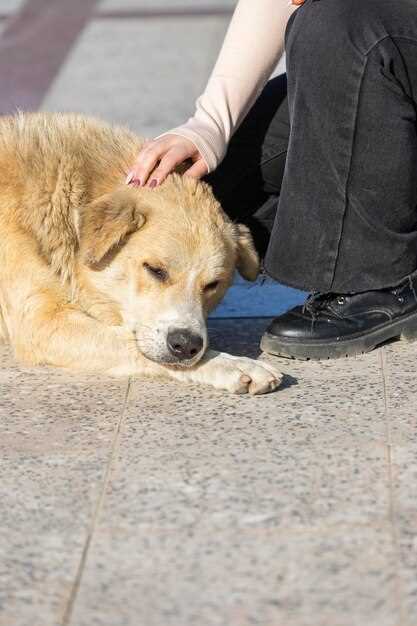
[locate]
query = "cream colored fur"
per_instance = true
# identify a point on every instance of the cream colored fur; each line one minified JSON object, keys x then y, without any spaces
{"x":77,"y":288}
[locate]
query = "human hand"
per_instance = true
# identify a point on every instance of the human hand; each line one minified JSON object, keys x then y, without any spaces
{"x":160,"y":157}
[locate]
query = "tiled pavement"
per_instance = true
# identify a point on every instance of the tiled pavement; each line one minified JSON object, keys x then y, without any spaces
{"x":131,"y":503}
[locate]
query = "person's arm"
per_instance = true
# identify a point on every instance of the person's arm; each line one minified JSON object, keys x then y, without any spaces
{"x":253,"y":45}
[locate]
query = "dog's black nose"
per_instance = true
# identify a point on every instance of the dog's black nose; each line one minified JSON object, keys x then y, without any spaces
{"x":184,"y":344}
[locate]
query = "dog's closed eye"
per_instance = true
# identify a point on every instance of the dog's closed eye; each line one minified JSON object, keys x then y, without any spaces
{"x":157,"y":272}
{"x":212,"y":286}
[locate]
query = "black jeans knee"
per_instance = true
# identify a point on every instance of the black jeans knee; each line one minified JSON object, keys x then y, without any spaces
{"x":327,"y":176}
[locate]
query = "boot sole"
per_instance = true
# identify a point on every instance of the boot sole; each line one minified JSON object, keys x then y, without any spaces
{"x":402,"y":328}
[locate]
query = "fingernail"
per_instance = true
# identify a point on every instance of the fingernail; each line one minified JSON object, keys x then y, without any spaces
{"x":153,"y":183}
{"x":136,"y":182}
{"x":129,"y":178}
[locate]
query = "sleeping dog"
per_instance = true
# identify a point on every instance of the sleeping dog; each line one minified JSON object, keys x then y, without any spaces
{"x":98,"y":276}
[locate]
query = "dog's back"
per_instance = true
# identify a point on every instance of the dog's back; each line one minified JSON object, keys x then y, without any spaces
{"x":42,"y":153}
{"x":50,"y":166}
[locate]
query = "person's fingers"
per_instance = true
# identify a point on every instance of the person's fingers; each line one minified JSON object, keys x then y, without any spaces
{"x":160,"y":157}
{"x":167,"y":164}
{"x":197,"y":170}
{"x":146,"y":162}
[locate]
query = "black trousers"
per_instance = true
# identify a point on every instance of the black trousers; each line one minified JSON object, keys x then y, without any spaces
{"x":324,"y":168}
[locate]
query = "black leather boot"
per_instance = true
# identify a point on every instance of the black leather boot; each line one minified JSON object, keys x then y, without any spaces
{"x":330,"y":326}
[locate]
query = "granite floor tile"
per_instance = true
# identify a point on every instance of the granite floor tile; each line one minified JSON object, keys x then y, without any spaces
{"x":193,"y":456}
{"x":400,"y":390}
{"x":278,"y":460}
{"x":239,"y":578}
{"x":402,"y":421}
{"x":401,"y":357}
{"x":407,"y":566}
{"x":403,"y":457}
{"x":404,"y":480}
{"x":195,"y":467}
{"x":56,"y":434}
{"x":398,"y":361}
{"x":402,"y":435}
{"x":237,"y":489}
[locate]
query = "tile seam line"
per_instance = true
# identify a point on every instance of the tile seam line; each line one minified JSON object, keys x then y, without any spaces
{"x":398,"y":584}
{"x":70,"y":605}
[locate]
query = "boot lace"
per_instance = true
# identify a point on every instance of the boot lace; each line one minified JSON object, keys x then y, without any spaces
{"x":316,"y":302}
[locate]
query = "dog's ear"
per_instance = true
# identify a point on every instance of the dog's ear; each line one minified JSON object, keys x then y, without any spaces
{"x":247,"y":260}
{"x":106,"y":222}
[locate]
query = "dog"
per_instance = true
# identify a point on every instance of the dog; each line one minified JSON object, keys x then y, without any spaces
{"x":103,"y":277}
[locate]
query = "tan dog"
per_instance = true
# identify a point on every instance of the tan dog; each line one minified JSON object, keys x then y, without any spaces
{"x":98,"y":276}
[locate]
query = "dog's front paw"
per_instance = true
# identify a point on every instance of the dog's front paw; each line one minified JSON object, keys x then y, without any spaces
{"x":237,"y":374}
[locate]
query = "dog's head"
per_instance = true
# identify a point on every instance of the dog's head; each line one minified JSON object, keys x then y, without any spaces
{"x":167,"y":257}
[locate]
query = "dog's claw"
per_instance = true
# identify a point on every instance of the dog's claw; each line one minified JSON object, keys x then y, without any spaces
{"x":243,"y":384}
{"x":256,"y":386}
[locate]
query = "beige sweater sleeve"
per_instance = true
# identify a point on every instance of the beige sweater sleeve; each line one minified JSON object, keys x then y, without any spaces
{"x":253,"y":46}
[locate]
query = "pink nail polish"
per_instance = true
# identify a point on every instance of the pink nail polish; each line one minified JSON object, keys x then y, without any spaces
{"x":136,"y":182}
{"x":129,"y":178}
{"x":153,"y":183}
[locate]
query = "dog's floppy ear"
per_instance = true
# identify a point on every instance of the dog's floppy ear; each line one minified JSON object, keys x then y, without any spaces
{"x":106,"y":222}
{"x":247,"y":260}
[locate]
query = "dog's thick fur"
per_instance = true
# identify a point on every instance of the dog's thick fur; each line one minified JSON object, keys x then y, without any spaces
{"x":95,"y":275}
